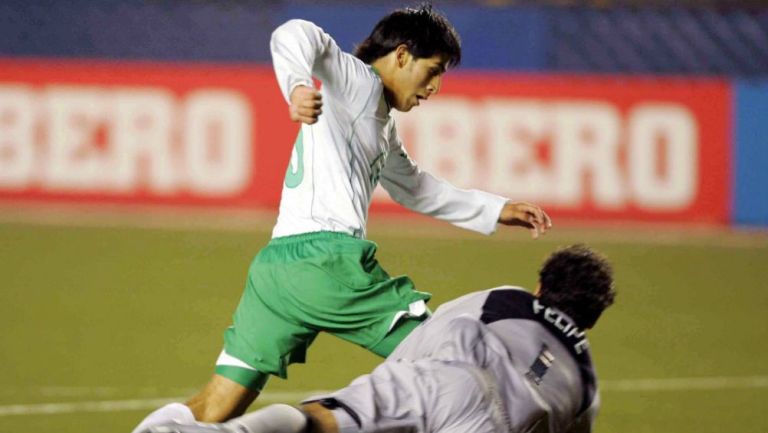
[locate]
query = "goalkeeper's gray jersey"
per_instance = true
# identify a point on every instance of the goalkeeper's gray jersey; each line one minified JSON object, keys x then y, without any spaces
{"x":538,"y":358}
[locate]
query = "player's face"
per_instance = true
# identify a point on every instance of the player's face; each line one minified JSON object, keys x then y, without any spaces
{"x":418,"y":79}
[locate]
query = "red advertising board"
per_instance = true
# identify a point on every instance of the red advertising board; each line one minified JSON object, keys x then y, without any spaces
{"x":142,"y":133}
{"x":593,"y":147}
{"x":590,"y":147}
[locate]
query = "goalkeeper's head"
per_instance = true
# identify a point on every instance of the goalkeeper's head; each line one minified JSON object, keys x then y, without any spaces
{"x":579,"y":282}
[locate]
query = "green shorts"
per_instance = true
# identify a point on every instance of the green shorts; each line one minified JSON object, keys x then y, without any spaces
{"x":300,"y":285}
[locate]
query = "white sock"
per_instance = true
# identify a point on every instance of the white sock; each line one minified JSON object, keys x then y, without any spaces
{"x":277,"y":418}
{"x":171,"y":412}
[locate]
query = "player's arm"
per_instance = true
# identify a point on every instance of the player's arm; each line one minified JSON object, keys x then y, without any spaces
{"x":300,"y":51}
{"x":470,"y":209}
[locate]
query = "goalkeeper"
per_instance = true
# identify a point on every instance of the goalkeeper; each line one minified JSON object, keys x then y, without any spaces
{"x":500,"y":360}
{"x":319,"y":273}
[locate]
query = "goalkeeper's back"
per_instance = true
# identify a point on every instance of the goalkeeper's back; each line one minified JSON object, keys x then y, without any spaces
{"x":546,"y":386}
{"x":532,"y":345}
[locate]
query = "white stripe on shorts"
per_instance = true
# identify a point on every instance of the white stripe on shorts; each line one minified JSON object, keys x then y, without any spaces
{"x":415,"y":309}
{"x":229,"y":360}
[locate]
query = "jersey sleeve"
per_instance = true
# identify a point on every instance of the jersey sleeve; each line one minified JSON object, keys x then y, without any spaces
{"x":301,"y":50}
{"x":420,"y":191}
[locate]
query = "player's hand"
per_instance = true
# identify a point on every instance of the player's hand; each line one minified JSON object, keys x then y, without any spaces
{"x":306,"y":105}
{"x":526,"y":215}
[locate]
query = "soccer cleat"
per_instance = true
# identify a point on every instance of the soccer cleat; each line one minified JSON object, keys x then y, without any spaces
{"x":175,"y":427}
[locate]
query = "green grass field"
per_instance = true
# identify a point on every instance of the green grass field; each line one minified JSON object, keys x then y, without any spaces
{"x":98,"y":323}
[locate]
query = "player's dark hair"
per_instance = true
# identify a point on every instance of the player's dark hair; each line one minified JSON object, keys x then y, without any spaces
{"x":425,"y":31}
{"x":579,"y":282}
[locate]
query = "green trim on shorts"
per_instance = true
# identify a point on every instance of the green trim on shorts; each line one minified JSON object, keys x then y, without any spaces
{"x":251,"y":379}
{"x":304,"y":284}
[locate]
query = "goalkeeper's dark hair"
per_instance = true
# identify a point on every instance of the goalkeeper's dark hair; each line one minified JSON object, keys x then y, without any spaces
{"x":579,"y":282}
{"x":424,"y":30}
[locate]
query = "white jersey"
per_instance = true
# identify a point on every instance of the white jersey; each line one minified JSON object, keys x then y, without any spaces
{"x":538,"y":359}
{"x":338,"y":161}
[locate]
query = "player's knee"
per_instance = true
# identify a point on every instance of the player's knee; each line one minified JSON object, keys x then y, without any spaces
{"x":207,"y":409}
{"x":221,"y":400}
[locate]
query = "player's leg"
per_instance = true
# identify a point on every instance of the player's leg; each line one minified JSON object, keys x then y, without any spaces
{"x":386,"y":400}
{"x":378,"y":310}
{"x":227,"y":395}
{"x":260,"y":343}
{"x":392,"y":310}
{"x":397,"y":397}
{"x":333,"y":282}
{"x":221,"y":399}
{"x":414,"y":396}
{"x":277,"y":418}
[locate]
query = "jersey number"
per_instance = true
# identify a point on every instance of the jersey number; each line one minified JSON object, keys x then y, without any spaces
{"x":295,"y":173}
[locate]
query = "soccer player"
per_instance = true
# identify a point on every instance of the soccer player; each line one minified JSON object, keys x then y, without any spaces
{"x":500,"y":360}
{"x":319,"y":273}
